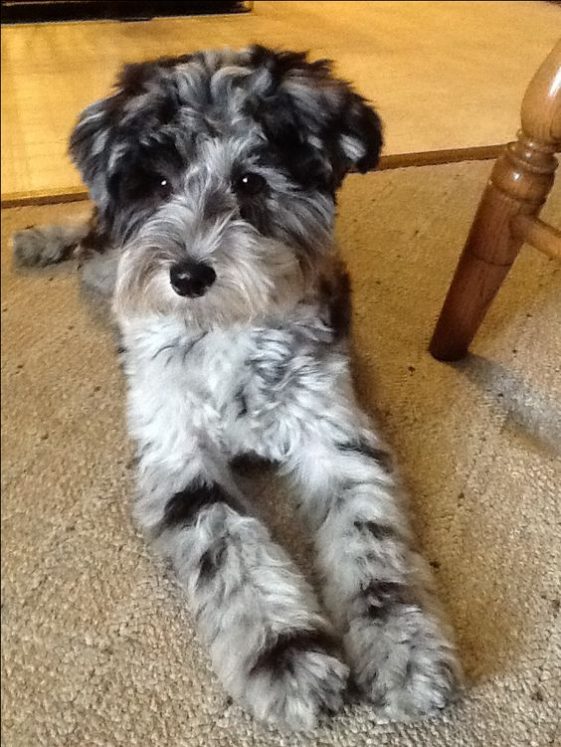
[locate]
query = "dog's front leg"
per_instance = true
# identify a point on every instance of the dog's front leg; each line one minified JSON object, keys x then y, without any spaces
{"x":375,"y":583}
{"x":43,"y":245}
{"x":39,"y":246}
{"x":269,"y":643}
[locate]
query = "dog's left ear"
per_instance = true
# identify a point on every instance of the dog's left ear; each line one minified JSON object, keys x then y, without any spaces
{"x":318,"y":112}
{"x":360,"y":134}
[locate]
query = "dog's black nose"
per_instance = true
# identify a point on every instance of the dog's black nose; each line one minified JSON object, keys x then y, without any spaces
{"x":191,"y":279}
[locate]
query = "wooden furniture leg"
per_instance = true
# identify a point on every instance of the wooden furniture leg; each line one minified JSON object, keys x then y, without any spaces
{"x":518,"y":187}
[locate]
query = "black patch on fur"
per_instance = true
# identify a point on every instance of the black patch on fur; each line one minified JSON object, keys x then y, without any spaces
{"x":211,"y":561}
{"x":97,"y":239}
{"x":378,"y":531}
{"x":364,"y":123}
{"x":382,"y":457}
{"x":336,"y":296}
{"x":250,"y":464}
{"x":279,"y":62}
{"x":382,"y":598}
{"x":183,"y":507}
{"x":253,"y":208}
{"x":285,"y":119}
{"x":280,"y":656}
{"x":135,"y":76}
{"x":139,"y":177}
{"x":288,"y":150}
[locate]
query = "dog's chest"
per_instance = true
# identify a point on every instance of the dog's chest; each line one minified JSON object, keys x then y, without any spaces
{"x":221,"y":385}
{"x":180,"y":380}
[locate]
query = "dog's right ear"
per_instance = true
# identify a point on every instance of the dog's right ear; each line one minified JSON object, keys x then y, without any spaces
{"x":90,"y":147}
{"x":107,"y":128}
{"x":93,"y":140}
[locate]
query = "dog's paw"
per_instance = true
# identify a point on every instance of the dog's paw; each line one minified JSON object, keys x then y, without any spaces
{"x":295,"y":683}
{"x":403,"y":663}
{"x":39,"y":246}
{"x":29,"y":247}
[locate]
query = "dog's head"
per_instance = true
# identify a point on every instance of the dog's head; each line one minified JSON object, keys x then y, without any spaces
{"x":216,"y":173}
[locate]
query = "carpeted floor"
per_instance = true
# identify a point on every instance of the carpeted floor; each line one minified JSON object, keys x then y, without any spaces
{"x":97,"y":648}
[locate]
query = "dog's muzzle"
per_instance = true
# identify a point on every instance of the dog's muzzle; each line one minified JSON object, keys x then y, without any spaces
{"x":191,"y":279}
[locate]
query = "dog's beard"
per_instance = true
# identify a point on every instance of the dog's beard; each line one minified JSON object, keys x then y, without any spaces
{"x":256,"y":277}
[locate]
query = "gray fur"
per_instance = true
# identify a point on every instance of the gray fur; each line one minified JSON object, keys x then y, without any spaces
{"x":45,"y":245}
{"x":256,"y":363}
{"x":99,"y":272}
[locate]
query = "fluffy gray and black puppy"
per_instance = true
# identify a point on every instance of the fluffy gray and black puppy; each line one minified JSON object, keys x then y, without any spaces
{"x":214,"y":178}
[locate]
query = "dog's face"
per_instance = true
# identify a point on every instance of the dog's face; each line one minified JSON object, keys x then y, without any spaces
{"x":216,"y":173}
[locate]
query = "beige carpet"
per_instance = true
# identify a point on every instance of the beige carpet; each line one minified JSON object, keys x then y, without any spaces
{"x":97,"y":646}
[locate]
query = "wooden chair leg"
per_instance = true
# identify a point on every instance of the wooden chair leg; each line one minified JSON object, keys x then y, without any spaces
{"x":519,"y":184}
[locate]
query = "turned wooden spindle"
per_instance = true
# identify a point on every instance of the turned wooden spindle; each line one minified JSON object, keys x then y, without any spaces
{"x":507,"y":215}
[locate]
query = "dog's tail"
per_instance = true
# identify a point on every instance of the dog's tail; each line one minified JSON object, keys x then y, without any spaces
{"x":38,"y":246}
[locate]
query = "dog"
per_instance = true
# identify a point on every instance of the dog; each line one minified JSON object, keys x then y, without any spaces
{"x":214,"y":178}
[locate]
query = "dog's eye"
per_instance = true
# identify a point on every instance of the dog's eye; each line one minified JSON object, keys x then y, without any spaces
{"x":139,"y":184}
{"x":163,"y":186}
{"x":250,"y":184}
